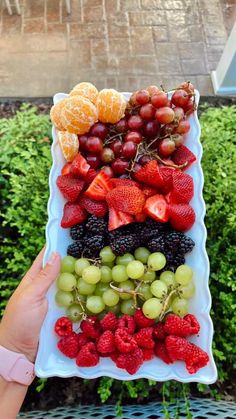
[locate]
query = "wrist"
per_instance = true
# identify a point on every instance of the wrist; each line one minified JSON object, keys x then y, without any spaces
{"x":9,"y":344}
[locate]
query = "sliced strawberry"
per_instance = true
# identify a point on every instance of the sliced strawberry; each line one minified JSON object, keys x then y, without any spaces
{"x":140,"y":217}
{"x":129,"y":199}
{"x":90,"y":176}
{"x":97,"y":208}
{"x":183,"y":188}
{"x":156,"y":207}
{"x":73,"y":214}
{"x":167,"y":173}
{"x":80,"y":166}
{"x":99,"y":187}
{"x":123,"y":182}
{"x":66,"y":169}
{"x":182,"y":216}
{"x":150,"y":174}
{"x":148,"y":191}
{"x":182,"y":155}
{"x":118,"y":219}
{"x":70,"y":187}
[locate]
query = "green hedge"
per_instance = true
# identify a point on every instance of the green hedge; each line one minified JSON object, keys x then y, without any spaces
{"x":25,"y":161}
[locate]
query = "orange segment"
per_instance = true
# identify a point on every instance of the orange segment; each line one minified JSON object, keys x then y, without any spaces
{"x":111,"y":105}
{"x":69,"y":144}
{"x":55,"y":114}
{"x":78,"y":115}
{"x":85,"y":89}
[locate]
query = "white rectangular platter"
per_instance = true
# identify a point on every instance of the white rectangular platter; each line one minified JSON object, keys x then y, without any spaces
{"x":50,"y":362}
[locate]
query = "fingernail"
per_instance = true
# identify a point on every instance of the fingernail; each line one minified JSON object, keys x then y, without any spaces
{"x":52,"y":258}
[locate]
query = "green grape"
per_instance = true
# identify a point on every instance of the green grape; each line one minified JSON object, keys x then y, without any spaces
{"x":144,"y":289}
{"x":159,"y":288}
{"x":119,"y":273}
{"x":179,"y":306}
{"x":115,"y":309}
{"x":110,"y":298}
{"x":74,"y":312}
{"x":68,"y":264}
{"x":127,"y":307}
{"x":91,"y":274}
{"x":64,"y":299}
{"x":107,"y":255}
{"x":109,"y":264}
{"x":80,"y":297}
{"x":106,"y":274}
{"x":148,"y":276}
{"x":183,"y":274}
{"x":124,"y":259}
{"x":66,"y":282}
{"x":187,"y":291}
{"x":129,"y":286}
{"x":101,"y":288}
{"x":95,"y":304}
{"x":169,"y":278}
{"x":152,"y":308}
{"x":142,"y":254}
{"x":156,"y":261}
{"x":80,"y":265}
{"x":135,"y":269}
{"x":84,"y":288}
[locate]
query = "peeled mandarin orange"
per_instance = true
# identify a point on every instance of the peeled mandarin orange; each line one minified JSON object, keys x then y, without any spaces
{"x":111,"y":105}
{"x":78,"y":115}
{"x":55,"y":114}
{"x":69,"y":144}
{"x":85,"y":89}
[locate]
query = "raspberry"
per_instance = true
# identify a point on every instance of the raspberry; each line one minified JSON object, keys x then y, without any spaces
{"x":175,"y":325}
{"x":159,"y":331}
{"x":144,"y":338}
{"x":195,"y":326}
{"x":141,"y":320}
{"x":109,"y":322}
{"x":161,"y":352}
{"x":148,"y":354}
{"x":131,"y":362}
{"x":124,"y":342}
{"x":69,"y":345}
{"x":196,"y":359}
{"x":177,"y":348}
{"x":114,"y":355}
{"x":106,"y":342}
{"x":82,"y":339}
{"x":91,"y":327}
{"x":127,"y":322}
{"x":87,"y":356}
{"x":63,"y":326}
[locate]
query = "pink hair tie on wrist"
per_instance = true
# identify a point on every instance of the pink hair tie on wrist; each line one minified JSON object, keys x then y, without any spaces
{"x":16,"y":367}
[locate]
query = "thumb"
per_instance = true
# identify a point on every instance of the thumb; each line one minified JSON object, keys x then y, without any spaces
{"x":47,"y":275}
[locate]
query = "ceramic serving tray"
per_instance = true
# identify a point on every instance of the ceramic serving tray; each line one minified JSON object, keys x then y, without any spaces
{"x":50,"y":362}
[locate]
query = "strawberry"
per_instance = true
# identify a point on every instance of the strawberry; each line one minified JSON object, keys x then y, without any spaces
{"x":73,"y":214}
{"x":118,"y":219}
{"x":148,"y":191}
{"x":140,"y":217}
{"x":66,"y":169}
{"x":80,"y":166}
{"x":182,"y":155}
{"x":90,"y":176}
{"x":97,"y":208}
{"x":69,"y":346}
{"x":182,"y":216}
{"x":129,"y":199}
{"x":167,"y":173}
{"x":183,"y":188}
{"x":150,"y":174}
{"x":123,"y":182}
{"x":70,"y":187}
{"x":87,"y":356}
{"x":156,"y":207}
{"x":99,"y":187}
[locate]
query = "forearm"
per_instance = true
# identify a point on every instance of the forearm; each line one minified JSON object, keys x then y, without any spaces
{"x":12,"y":395}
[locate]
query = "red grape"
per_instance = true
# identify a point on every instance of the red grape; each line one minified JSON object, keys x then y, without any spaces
{"x":178,"y":139}
{"x":121,"y":125}
{"x":169,"y":128}
{"x":133,"y":136}
{"x":136,"y":167}
{"x":133,"y":98}
{"x":120,"y":166}
{"x":142,"y":97}
{"x":187,"y":86}
{"x":116,"y":147}
{"x":151,"y":129}
{"x":179,"y":113}
{"x":93,"y":161}
{"x":129,"y":150}
{"x":94,"y":145}
{"x":159,"y":100}
{"x":189,"y":107}
{"x":147,"y":112}
{"x":82,"y":142}
{"x":183,"y":127}
{"x":107,"y":155}
{"x":135,"y":123}
{"x":180,"y":98}
{"x":144,"y":160}
{"x":108,"y":170}
{"x":165,"y":115}
{"x":166,"y":147}
{"x":99,"y":130}
{"x":152,"y":90}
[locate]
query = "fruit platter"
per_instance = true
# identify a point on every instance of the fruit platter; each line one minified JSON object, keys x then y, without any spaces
{"x":126,"y":214}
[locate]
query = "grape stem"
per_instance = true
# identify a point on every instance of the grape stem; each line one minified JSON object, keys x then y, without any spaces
{"x":78,"y":300}
{"x":134,"y":293}
{"x":110,"y":139}
{"x":166,"y":303}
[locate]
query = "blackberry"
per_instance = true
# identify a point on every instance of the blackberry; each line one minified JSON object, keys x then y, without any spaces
{"x":77,"y":231}
{"x":157,"y":244}
{"x":96,"y":225}
{"x":75,"y":249}
{"x":94,"y":244}
{"x":173,"y":260}
{"x":178,"y":242}
{"x":124,"y":244}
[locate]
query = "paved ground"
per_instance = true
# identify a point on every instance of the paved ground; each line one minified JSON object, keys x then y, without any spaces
{"x":123,"y":44}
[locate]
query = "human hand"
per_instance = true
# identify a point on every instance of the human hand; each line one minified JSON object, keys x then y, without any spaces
{"x":27,"y":308}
